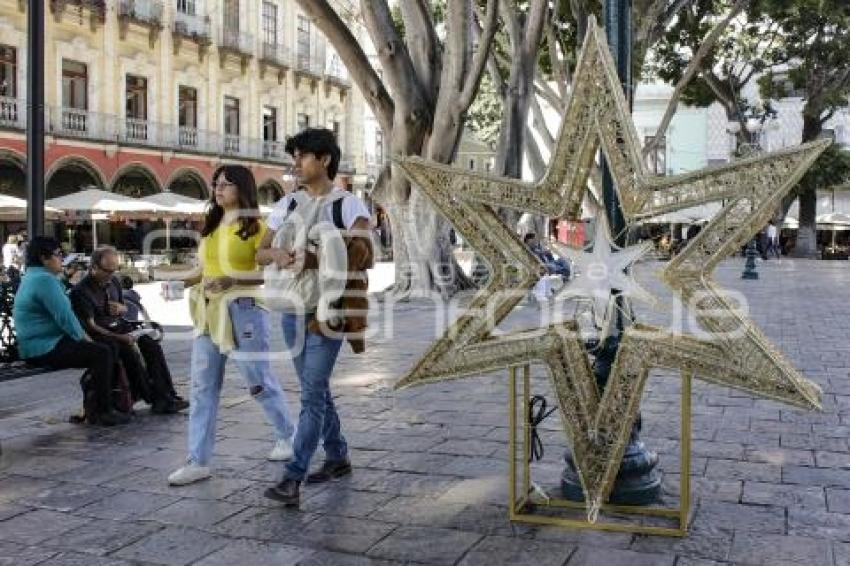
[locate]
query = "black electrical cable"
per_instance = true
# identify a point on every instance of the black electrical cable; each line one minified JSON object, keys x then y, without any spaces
{"x":537,"y":413}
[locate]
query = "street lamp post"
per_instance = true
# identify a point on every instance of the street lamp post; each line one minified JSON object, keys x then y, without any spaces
{"x":35,"y":118}
{"x":754,"y":127}
{"x":638,"y":482}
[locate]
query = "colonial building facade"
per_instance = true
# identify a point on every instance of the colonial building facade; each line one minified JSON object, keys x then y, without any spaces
{"x":146,"y":96}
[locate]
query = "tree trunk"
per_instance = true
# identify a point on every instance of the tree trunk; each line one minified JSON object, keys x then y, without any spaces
{"x":509,"y":150}
{"x":807,"y":244}
{"x":807,"y":233}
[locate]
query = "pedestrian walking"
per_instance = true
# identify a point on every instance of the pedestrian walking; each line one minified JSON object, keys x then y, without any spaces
{"x":230,"y":320}
{"x":324,"y":214}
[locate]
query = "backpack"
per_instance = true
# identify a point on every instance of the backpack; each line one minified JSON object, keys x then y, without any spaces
{"x":336,"y":211}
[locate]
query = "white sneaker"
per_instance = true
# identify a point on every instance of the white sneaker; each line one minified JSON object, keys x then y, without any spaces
{"x":282,"y":450}
{"x":189,"y":473}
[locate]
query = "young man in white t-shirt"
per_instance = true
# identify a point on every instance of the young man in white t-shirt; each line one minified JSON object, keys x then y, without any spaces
{"x":316,"y":156}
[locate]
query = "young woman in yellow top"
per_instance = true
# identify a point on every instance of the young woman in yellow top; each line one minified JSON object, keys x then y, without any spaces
{"x":229,"y":319}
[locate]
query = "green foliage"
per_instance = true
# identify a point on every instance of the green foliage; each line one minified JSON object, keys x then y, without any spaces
{"x":485,"y":115}
{"x":816,"y":40}
{"x":832,"y":168}
{"x":749,"y":46}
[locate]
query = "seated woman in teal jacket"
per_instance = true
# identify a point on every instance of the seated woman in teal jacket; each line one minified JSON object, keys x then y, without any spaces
{"x":50,"y":335}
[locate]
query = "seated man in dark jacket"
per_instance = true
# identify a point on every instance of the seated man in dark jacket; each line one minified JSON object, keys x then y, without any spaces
{"x":98,"y":302}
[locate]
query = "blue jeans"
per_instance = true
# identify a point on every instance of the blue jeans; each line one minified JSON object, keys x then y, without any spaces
{"x":251,"y":333}
{"x":313,"y":356}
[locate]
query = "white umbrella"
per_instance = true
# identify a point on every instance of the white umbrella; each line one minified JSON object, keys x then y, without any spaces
{"x":176,"y":205}
{"x":14,"y":208}
{"x":98,"y":203}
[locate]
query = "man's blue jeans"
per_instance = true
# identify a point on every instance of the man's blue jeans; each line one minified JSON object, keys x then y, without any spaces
{"x":313,"y":356}
{"x":251,"y":333}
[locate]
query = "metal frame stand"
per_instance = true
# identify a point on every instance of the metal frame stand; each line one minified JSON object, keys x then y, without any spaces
{"x":521,"y":504}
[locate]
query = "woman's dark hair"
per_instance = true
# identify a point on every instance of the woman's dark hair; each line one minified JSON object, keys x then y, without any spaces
{"x":249,"y":210}
{"x":39,"y":249}
{"x":320,"y":142}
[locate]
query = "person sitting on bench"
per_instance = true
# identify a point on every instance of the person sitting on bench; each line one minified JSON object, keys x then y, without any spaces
{"x":99,"y":303}
{"x":50,"y":335}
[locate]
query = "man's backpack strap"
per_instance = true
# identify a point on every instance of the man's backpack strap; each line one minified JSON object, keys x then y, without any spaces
{"x":337,"y":214}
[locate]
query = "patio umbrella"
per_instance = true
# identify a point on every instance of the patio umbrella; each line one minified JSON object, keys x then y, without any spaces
{"x":14,"y":208}
{"x":176,"y":205}
{"x":791,"y":223}
{"x":98,"y":204}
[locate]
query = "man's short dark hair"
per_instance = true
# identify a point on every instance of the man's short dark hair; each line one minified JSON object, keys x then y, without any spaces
{"x":318,"y":141}
{"x":100,"y":253}
{"x":39,"y":249}
{"x":528,"y":237}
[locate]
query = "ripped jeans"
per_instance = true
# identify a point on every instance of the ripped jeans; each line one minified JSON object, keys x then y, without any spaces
{"x":251,"y":333}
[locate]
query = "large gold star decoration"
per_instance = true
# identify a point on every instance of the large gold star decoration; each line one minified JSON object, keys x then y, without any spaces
{"x":735,"y":354}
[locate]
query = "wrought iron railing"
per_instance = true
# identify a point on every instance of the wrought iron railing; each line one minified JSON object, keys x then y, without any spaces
{"x":144,"y":11}
{"x":338,"y":75}
{"x":309,"y":65}
{"x":12,"y":112}
{"x":96,"y":7}
{"x":84,"y":124}
{"x":237,"y":41}
{"x":274,"y":150}
{"x":196,"y":28}
{"x":277,"y":54}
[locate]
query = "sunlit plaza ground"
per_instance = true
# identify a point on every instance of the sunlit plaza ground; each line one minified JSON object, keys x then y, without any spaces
{"x":771,"y":484}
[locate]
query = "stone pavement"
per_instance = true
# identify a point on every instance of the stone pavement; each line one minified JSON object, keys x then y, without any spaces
{"x":771,"y":484}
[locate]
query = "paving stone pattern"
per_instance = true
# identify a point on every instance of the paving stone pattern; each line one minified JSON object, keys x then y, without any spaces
{"x":771,"y":485}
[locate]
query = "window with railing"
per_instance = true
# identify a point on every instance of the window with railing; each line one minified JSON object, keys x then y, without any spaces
{"x":269,"y":23}
{"x":187,"y":7}
{"x":8,"y":85}
{"x":379,"y":147}
{"x":303,"y":44}
{"x":136,"y":109}
{"x":75,"y":102}
{"x":187,"y":116}
{"x":269,"y":124}
{"x":8,"y":71}
{"x":302,"y":122}
{"x":231,"y":124}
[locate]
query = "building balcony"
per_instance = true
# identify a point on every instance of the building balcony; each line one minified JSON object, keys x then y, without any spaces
{"x":145,"y":12}
{"x":13,"y":113}
{"x":338,"y":75}
{"x":236,"y":41}
{"x":275,"y":151}
{"x":276,"y":54}
{"x":77,"y":123}
{"x":82,"y":124}
{"x":193,"y":27}
{"x":97,"y":8}
{"x":308,"y":66}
